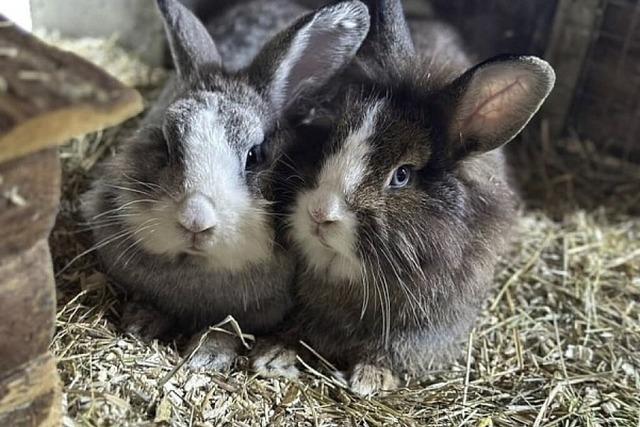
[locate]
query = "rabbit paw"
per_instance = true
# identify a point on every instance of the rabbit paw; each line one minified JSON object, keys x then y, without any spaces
{"x":275,"y":360}
{"x":144,"y":321}
{"x":369,"y":379}
{"x":217,"y":352}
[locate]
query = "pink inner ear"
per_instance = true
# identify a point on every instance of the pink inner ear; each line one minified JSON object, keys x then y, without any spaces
{"x":496,"y":103}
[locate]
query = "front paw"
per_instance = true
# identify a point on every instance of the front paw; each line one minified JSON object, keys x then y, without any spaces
{"x":274,"y":360}
{"x":145,"y":321}
{"x":367,"y":380}
{"x":216,"y":352}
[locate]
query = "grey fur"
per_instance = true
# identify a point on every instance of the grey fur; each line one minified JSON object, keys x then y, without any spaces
{"x":204,"y":113}
{"x":244,"y":29}
{"x":390,"y":38}
{"x":426,"y":251}
{"x":191,"y":46}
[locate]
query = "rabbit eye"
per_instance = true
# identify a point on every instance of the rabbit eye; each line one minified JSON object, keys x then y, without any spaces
{"x":401,"y":177}
{"x":255,"y":156}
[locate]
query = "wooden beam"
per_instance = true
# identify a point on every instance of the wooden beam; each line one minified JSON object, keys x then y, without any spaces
{"x":30,"y":395}
{"x":28,"y":206}
{"x":48,"y":96}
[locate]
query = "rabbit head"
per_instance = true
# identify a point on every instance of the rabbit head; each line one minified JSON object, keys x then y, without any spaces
{"x":398,"y":189}
{"x":194,"y":181}
{"x":392,"y":187}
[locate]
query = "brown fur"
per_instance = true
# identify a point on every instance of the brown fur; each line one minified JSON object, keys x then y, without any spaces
{"x":427,"y":250}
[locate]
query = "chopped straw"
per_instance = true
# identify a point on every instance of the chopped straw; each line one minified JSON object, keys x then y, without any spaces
{"x":558,"y":343}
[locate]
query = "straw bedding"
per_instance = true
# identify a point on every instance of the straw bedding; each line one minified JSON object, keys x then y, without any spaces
{"x":558,"y":343}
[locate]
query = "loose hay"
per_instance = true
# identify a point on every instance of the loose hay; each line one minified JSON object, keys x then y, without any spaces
{"x":557,"y":345}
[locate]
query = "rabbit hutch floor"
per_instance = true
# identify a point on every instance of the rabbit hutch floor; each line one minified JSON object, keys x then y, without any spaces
{"x":558,"y":342}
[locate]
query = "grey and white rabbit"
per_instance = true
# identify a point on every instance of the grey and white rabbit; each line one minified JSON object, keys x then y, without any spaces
{"x":182,"y":215}
{"x":401,"y":215}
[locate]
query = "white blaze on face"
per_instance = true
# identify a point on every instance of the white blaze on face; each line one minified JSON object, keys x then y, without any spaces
{"x":210,"y":163}
{"x":213,"y":170}
{"x":345,"y":169}
{"x":340,"y":176}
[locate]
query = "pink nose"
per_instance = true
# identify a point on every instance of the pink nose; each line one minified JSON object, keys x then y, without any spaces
{"x":196,"y":227}
{"x":325,"y":208}
{"x":319,"y":216}
{"x":197,"y":214}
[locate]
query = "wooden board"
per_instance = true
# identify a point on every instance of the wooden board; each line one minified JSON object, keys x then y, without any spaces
{"x":27,"y":290}
{"x":606,"y":105}
{"x":30,"y":395}
{"x":29,"y":385}
{"x":29,"y":197}
{"x":48,"y":96}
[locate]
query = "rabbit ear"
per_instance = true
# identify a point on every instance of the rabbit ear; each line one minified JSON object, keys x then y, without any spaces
{"x":191,"y":45}
{"x":389,"y":38}
{"x":490,"y":104}
{"x":309,"y":53}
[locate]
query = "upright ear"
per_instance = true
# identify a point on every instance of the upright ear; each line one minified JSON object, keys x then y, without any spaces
{"x":491,"y":103}
{"x":389,"y":38}
{"x":191,"y":45}
{"x":306,"y":55}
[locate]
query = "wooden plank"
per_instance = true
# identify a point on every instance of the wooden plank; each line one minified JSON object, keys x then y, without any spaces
{"x":29,"y":200}
{"x":30,"y":395}
{"x":606,"y":108}
{"x":29,"y":384}
{"x":27,"y":306}
{"x":29,"y":197}
{"x":48,"y":96}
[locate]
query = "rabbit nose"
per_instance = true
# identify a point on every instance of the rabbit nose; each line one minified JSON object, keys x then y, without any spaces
{"x":326,"y":210}
{"x":197,"y":214}
{"x":319,"y":216}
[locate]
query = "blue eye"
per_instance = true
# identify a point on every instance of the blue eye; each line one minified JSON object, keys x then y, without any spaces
{"x":401,"y":177}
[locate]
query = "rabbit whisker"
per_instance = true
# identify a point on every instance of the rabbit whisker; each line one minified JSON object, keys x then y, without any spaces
{"x":119,"y":208}
{"x":144,"y":226}
{"x":99,"y":245}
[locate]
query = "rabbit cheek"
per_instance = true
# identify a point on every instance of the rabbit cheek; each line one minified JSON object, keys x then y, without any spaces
{"x":324,"y":232}
{"x":154,"y":229}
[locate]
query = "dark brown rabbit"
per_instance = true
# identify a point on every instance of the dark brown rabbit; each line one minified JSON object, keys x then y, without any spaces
{"x":401,"y":216}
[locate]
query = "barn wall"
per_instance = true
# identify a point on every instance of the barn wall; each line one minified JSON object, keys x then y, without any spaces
{"x":606,"y":107}
{"x":492,"y":27}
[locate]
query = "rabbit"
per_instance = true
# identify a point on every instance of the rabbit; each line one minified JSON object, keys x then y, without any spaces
{"x":182,"y":214}
{"x":399,"y":217}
